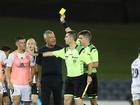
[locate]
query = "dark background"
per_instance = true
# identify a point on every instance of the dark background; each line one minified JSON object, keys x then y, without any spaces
{"x":98,"y":11}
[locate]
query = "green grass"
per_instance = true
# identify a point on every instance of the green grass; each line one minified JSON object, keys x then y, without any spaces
{"x":117,"y":43}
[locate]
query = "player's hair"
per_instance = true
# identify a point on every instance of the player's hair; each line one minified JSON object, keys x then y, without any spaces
{"x":5,"y":48}
{"x":19,"y":38}
{"x":47,"y":32}
{"x":73,"y":34}
{"x":86,"y":33}
{"x":35,"y":43}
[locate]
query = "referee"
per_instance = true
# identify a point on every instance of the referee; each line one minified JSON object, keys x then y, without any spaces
{"x":85,"y":37}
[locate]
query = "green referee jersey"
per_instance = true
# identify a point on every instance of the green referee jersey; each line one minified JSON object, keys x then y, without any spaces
{"x":93,"y":52}
{"x":75,"y":59}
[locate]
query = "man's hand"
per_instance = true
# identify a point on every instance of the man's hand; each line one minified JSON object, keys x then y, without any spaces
{"x":62,"y":18}
{"x":89,"y":79}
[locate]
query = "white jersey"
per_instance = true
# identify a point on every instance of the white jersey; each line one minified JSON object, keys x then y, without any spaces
{"x":135,"y":70}
{"x":3,"y":58}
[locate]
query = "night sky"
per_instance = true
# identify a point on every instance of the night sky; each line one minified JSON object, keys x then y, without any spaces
{"x":99,"y":11}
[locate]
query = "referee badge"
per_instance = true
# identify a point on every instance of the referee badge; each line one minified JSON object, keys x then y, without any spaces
{"x":74,"y":61}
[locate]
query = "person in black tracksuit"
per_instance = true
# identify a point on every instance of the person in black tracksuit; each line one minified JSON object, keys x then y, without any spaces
{"x":51,"y":71}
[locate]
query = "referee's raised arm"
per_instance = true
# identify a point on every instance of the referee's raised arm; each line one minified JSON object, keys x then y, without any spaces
{"x":63,"y":22}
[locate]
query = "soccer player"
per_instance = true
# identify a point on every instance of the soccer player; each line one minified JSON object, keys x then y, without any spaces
{"x":135,"y":85}
{"x":74,"y":58}
{"x":19,"y":72}
{"x":51,"y":71}
{"x":31,"y":47}
{"x":3,"y":91}
{"x":6,"y":93}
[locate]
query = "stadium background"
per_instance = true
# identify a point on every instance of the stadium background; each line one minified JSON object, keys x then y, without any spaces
{"x":115,"y":25}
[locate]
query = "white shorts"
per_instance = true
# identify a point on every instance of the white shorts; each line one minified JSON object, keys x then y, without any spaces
{"x":136,"y":96}
{"x":24,"y":91}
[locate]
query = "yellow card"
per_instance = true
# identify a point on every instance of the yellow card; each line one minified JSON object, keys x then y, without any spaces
{"x":62,"y":11}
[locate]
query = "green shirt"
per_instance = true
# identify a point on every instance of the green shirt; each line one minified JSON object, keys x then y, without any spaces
{"x":93,"y":52}
{"x":74,"y":59}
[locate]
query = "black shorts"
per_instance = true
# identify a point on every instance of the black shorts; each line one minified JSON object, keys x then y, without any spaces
{"x":5,"y":94}
{"x":74,"y":86}
{"x":34,"y":89}
{"x":93,"y":87}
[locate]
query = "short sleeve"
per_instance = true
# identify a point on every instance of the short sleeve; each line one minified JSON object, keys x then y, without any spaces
{"x":10,"y":60}
{"x":94,"y":55}
{"x":3,"y":58}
